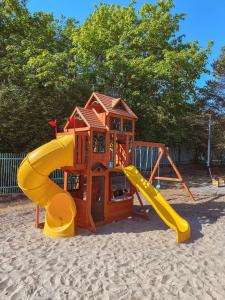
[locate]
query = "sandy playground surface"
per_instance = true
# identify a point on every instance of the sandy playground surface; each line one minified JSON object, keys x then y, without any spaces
{"x":131,"y":259}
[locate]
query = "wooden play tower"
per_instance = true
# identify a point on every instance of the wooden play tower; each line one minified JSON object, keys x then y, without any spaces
{"x":104,"y":133}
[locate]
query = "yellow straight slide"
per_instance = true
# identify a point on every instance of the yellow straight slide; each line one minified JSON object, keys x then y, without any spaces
{"x":33,"y":179}
{"x":159,"y":203}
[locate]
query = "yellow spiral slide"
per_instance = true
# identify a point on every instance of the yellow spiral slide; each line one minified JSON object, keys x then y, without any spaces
{"x":159,"y":203}
{"x":33,"y":179}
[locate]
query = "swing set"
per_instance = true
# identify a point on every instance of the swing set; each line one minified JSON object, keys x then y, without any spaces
{"x":162,"y":151}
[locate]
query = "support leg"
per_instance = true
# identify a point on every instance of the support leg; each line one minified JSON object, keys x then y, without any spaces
{"x":139,"y":199}
{"x":178,"y":174}
{"x":143,"y":213}
{"x":37,"y":223}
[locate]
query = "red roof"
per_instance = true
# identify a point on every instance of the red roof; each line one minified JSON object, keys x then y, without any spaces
{"x":90,"y":118}
{"x":110,"y":105}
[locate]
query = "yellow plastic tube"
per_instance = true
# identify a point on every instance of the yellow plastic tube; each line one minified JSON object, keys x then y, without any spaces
{"x":159,"y":203}
{"x":33,"y":180}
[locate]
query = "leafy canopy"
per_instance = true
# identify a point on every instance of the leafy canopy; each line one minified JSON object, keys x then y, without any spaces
{"x":141,"y":58}
{"x":47,"y":66}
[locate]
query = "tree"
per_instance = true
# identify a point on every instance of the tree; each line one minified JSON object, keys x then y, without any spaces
{"x":212,"y":100}
{"x":38,"y":79}
{"x":214,"y":91}
{"x":47,"y":66}
{"x":141,"y":58}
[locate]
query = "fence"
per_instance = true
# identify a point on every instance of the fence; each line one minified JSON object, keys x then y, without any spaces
{"x":145,"y":159}
{"x":9,"y":163}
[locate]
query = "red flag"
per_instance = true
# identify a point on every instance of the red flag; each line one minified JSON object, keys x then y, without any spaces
{"x":52,"y":123}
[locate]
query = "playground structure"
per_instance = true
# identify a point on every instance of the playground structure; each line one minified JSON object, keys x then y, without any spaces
{"x":96,"y":152}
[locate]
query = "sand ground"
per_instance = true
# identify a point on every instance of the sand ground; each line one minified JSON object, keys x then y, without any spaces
{"x":130,"y":259}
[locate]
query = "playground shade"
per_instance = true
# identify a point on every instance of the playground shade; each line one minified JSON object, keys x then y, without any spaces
{"x":33,"y":179}
{"x":159,"y":203}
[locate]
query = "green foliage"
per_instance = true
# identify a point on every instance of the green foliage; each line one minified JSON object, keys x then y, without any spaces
{"x":38,"y":79}
{"x":141,"y":58}
{"x":48,"y":66}
{"x":212,"y":100}
{"x":214,"y":92}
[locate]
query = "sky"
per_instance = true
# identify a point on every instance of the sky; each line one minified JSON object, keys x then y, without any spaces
{"x":205,"y":19}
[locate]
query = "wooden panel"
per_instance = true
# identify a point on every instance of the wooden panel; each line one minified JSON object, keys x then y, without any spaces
{"x":79,"y":150}
{"x":100,"y":157}
{"x":82,"y":215}
{"x":118,"y":210}
{"x":98,"y":198}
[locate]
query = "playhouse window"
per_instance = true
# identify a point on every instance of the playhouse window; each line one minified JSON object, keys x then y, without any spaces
{"x":98,"y":142}
{"x":115,"y":124}
{"x":127,"y":125}
{"x":73,"y":183}
{"x":120,"y":187}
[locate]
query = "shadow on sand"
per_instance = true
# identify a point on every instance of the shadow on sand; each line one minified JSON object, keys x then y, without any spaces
{"x":196,"y":214}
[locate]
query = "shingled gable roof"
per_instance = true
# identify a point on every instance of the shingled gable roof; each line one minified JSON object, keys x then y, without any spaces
{"x":110,"y":104}
{"x":89,"y":117}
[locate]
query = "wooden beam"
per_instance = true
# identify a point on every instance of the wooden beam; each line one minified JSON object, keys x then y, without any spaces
{"x":115,"y":150}
{"x":156,"y":165}
{"x":148,"y":144}
{"x":141,"y":215}
{"x":127,"y":151}
{"x":167,"y":178}
{"x":89,"y":182}
{"x":80,"y":149}
{"x":144,"y":213}
{"x":139,"y":198}
{"x":65,"y":181}
{"x":83,"y":149}
{"x":37,"y":223}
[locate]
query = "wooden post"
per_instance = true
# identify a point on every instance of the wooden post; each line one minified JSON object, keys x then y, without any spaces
{"x":65,"y":186}
{"x":132,"y":151}
{"x":178,"y":174}
{"x":157,"y":164}
{"x":127,"y":151}
{"x":89,"y":200}
{"x":115,"y":150}
{"x":37,"y":217}
{"x":89,"y":183}
{"x":139,"y":198}
{"x":143,"y":214}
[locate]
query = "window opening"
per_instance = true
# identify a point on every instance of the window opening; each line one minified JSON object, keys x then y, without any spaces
{"x":98,"y":142}
{"x":115,"y":123}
